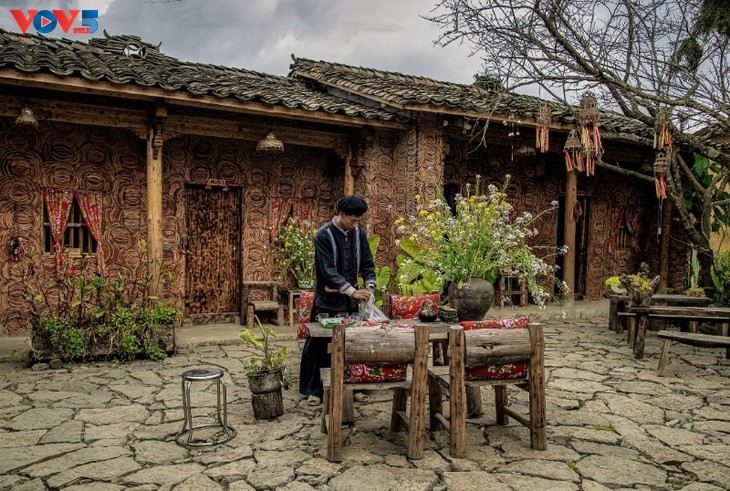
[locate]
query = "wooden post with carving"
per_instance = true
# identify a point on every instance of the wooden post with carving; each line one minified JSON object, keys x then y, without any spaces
{"x":571,"y":197}
{"x":155,"y":139}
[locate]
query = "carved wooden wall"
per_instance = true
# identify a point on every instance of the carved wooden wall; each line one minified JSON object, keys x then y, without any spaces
{"x":102,"y":160}
{"x":536,"y":181}
{"x":112,"y":162}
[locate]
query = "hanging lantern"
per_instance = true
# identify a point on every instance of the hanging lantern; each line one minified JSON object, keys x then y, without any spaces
{"x":542,"y":130}
{"x":660,"y":174}
{"x":573,"y":153}
{"x":662,"y":131}
{"x":590,"y":135}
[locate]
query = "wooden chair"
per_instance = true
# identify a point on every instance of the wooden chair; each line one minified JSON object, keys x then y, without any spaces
{"x":271,"y":304}
{"x":510,"y":287}
{"x":375,"y":345}
{"x":473,"y":350}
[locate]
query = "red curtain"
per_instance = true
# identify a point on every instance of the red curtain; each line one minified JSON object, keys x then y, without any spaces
{"x":304,"y":211}
{"x":630,"y":218}
{"x":280,"y":209}
{"x":283,"y":208}
{"x":90,"y":205}
{"x":58,"y":204}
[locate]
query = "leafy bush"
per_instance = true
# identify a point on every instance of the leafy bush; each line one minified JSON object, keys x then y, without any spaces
{"x":90,"y":315}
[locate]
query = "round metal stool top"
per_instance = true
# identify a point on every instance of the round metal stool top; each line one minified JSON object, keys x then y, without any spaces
{"x":208,"y":373}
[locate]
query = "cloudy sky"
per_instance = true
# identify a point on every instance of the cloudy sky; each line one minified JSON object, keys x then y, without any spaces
{"x":262,"y":35}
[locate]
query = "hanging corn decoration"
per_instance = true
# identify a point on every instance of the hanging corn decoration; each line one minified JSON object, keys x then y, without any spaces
{"x":573,"y":153}
{"x":590,"y":136}
{"x":662,"y":132}
{"x":542,"y":130}
{"x":660,"y":174}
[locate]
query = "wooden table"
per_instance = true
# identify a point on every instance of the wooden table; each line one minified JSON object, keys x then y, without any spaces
{"x":292,"y":295}
{"x":618,"y":304}
{"x":695,"y":314}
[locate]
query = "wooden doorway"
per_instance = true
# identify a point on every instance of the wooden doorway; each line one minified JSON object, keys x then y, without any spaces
{"x":581,"y":213}
{"x":212,"y":265}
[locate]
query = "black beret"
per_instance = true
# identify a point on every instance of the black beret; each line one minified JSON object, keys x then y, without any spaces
{"x":352,"y":205}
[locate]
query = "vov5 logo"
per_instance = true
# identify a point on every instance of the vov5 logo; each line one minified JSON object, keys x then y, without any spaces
{"x":46,"y":21}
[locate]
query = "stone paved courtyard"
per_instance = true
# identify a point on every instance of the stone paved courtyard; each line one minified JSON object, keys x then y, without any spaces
{"x":612,"y":424}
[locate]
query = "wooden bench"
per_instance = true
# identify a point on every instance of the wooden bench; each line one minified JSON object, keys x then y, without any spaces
{"x":693,"y":339}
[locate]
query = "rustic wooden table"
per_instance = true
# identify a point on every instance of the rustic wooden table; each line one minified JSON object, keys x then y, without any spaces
{"x":693,"y":314}
{"x":618,"y":304}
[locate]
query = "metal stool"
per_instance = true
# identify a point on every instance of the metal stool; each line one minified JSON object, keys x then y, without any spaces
{"x":204,"y":375}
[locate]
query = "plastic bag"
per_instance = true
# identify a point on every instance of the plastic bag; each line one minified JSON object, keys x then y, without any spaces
{"x":369,"y":312}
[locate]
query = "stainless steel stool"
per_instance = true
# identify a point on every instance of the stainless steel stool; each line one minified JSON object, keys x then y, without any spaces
{"x":204,"y":375}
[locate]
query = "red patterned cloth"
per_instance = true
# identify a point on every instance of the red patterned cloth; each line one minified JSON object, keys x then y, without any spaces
{"x":504,"y":371}
{"x":407,"y":307}
{"x":304,"y":312}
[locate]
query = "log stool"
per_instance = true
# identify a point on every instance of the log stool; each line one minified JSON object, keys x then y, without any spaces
{"x":204,"y":375}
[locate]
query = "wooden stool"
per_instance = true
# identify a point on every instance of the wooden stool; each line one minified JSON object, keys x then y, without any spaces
{"x":207,"y":374}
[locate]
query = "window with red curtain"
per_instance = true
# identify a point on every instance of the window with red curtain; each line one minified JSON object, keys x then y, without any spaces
{"x":72,"y":224}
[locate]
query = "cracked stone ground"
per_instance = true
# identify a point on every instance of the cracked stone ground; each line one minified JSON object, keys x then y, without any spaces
{"x":612,"y":424}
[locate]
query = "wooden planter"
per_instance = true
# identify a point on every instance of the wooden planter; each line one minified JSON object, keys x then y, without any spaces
{"x":266,"y":396}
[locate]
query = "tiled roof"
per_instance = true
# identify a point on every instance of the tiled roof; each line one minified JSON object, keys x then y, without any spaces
{"x":407,"y":91}
{"x":129,"y":60}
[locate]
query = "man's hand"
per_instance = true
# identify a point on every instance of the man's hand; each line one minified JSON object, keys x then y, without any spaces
{"x":363,"y":294}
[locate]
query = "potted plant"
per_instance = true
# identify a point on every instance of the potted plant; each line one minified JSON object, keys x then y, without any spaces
{"x":472,"y":245}
{"x":266,"y":372}
{"x":295,"y":244}
{"x":639,"y":287}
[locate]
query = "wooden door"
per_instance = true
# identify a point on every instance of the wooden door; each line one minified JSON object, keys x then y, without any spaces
{"x":212,"y":272}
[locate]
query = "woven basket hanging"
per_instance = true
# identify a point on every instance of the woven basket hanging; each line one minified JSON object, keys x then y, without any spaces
{"x":660,"y":174}
{"x":590,"y":136}
{"x":542,"y":130}
{"x":573,"y":153}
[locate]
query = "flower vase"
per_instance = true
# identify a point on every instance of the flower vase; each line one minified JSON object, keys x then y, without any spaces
{"x":472,"y":300}
{"x":305,"y":284}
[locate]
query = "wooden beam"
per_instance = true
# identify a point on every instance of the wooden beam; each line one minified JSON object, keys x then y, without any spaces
{"x":571,"y":199}
{"x":49,"y":110}
{"x":179,"y":98}
{"x":136,"y":120}
{"x":176,"y":125}
{"x":349,"y":178}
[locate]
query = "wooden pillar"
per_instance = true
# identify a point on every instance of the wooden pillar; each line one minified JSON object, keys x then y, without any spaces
{"x":571,"y":198}
{"x":349,"y":178}
{"x":154,"y":201}
{"x":664,"y":251}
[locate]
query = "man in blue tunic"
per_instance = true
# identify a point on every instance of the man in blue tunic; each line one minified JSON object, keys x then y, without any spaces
{"x":341,"y":253}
